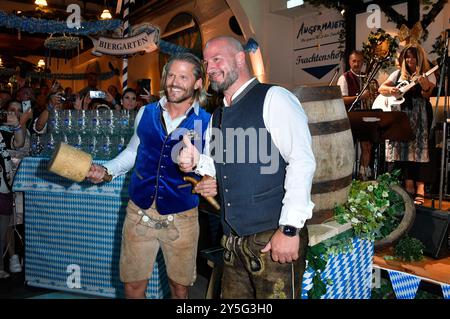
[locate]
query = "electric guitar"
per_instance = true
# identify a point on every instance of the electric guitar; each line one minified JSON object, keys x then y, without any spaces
{"x":385,"y":103}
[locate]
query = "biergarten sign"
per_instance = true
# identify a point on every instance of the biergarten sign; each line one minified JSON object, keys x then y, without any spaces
{"x":146,"y":41}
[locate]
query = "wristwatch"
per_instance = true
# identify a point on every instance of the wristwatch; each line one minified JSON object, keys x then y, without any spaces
{"x":289,"y":230}
{"x":107,"y":177}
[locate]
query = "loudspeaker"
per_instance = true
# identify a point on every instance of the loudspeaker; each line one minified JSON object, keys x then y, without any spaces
{"x":431,"y":227}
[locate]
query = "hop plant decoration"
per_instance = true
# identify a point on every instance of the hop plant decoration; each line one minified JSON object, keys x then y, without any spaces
{"x":372,"y":207}
{"x":377,"y":39}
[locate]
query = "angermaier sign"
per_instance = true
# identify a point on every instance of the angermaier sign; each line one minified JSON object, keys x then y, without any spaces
{"x":317,"y":47}
{"x":143,"y":42}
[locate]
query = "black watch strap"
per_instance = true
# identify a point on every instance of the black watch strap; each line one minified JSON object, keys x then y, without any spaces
{"x":289,"y":230}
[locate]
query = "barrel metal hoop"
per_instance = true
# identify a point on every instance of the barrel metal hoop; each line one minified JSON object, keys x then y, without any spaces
{"x":330,"y":127}
{"x":319,"y":93}
{"x":331,"y":186}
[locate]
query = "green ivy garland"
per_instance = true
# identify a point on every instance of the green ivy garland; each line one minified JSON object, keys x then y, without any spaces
{"x":372,"y":208}
{"x":318,"y":256}
{"x":439,"y":48}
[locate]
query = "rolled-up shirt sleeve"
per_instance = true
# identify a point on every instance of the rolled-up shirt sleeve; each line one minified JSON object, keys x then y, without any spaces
{"x":124,"y":162}
{"x":287,"y":123}
{"x":205,"y":165}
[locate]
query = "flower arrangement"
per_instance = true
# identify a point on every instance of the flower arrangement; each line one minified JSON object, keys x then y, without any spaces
{"x":372,"y":208}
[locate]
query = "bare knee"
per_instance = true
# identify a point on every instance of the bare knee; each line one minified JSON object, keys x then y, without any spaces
{"x":136,"y":289}
{"x":178,"y":291}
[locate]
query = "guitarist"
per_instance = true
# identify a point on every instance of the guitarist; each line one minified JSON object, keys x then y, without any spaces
{"x":413,"y":157}
{"x":351,"y":84}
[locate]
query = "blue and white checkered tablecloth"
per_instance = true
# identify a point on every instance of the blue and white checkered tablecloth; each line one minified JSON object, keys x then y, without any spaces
{"x":350,"y":273}
{"x":73,"y":233}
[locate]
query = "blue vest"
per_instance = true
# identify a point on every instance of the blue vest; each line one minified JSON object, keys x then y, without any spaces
{"x":155,"y":176}
{"x":250,"y":201}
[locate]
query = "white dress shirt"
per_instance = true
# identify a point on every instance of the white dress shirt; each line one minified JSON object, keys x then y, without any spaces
{"x":124,"y":162}
{"x":287,"y":123}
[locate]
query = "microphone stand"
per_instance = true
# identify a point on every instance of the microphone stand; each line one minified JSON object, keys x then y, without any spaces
{"x":444,"y":74}
{"x":336,"y":72}
{"x":372,"y":75}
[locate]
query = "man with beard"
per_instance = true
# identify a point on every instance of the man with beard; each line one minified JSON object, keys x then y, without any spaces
{"x":162,"y":211}
{"x":263,"y":212}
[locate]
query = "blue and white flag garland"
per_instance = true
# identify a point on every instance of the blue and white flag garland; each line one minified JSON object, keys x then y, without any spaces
{"x":405,"y":285}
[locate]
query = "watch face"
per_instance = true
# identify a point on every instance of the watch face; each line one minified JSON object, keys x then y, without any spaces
{"x":289,"y":230}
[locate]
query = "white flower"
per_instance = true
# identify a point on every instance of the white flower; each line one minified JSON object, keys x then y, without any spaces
{"x":385,"y":194}
{"x":353,"y":209}
{"x":354,"y":220}
{"x":370,"y":188}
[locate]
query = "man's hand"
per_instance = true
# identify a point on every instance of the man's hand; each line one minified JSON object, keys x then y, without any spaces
{"x":188,"y":157}
{"x":207,"y":187}
{"x":284,"y":249}
{"x":147,"y":97}
{"x":96,"y":174}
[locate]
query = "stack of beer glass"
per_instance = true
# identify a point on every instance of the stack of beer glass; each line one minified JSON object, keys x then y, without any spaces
{"x":101,"y":133}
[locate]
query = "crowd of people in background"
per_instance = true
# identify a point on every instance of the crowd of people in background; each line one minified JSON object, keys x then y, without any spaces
{"x":25,"y":112}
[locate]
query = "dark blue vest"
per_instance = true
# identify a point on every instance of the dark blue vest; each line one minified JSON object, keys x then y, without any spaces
{"x":155,"y":175}
{"x":251,"y":201}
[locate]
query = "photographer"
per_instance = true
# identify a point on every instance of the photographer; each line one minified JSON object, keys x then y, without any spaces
{"x":10,"y":121}
{"x":54,"y":103}
{"x":13,"y":131}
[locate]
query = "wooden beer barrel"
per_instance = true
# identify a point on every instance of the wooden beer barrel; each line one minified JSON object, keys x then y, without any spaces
{"x":333,"y":148}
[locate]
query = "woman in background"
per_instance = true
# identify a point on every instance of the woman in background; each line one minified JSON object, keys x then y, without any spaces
{"x":16,"y":141}
{"x":412,"y":156}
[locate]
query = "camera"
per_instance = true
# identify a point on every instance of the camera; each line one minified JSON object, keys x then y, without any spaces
{"x":97,"y":94}
{"x":3,"y":116}
{"x":26,"y":105}
{"x":69,"y":98}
